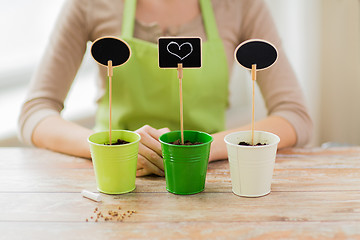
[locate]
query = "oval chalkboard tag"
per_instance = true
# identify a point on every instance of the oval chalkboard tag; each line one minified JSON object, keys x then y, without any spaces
{"x":113,"y":49}
{"x":256,"y":51}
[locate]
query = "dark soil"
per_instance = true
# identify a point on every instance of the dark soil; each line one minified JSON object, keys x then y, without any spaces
{"x":248,"y":144}
{"x":187,"y":142}
{"x":118,"y":142}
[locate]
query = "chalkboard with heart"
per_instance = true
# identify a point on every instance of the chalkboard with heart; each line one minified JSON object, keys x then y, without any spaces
{"x":173,"y":51}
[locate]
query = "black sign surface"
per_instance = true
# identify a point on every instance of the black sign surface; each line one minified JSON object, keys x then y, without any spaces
{"x":256,"y":51}
{"x":110,"y":48}
{"x":173,"y":51}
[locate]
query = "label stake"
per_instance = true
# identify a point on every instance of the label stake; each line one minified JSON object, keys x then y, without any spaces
{"x":180,"y":76}
{"x":253,"y":77}
{"x":110,"y":74}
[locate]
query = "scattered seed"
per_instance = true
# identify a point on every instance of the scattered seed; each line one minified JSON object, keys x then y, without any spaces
{"x":112,"y":215}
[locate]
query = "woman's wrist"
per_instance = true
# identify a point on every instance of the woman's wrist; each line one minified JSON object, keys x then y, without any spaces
{"x":218,"y":148}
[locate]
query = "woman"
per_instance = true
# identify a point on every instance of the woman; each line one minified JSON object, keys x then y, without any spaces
{"x":222,"y":25}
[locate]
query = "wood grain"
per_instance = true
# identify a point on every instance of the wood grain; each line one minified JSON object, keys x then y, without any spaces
{"x":182,"y":230}
{"x":30,"y":170}
{"x":315,"y":195}
{"x":167,"y":207}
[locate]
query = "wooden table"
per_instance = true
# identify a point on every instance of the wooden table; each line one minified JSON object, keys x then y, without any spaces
{"x":315,"y":195}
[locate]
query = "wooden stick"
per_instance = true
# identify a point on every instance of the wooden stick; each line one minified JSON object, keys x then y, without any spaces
{"x":253,"y":77}
{"x":180,"y":76}
{"x":110,"y":74}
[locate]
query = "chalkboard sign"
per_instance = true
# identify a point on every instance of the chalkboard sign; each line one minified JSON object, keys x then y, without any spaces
{"x":110,"y":48}
{"x":256,"y":51}
{"x":173,"y":51}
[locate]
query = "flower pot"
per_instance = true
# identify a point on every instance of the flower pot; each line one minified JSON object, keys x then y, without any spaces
{"x":185,"y":165}
{"x":251,"y":167}
{"x":114,"y":165}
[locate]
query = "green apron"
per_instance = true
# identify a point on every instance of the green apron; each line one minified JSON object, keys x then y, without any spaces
{"x":144,"y":94}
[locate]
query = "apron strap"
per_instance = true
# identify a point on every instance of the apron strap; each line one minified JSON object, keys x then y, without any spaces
{"x":209,"y":20}
{"x":128,"y":18}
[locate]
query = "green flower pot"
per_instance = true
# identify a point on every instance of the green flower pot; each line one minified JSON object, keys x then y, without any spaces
{"x":185,"y":165}
{"x":115,"y":165}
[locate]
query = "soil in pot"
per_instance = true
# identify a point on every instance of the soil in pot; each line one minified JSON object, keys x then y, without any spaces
{"x":118,"y":142}
{"x":187,"y":142}
{"x":248,"y":144}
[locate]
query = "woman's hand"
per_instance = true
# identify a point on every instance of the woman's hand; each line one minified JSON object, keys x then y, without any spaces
{"x":150,"y":157}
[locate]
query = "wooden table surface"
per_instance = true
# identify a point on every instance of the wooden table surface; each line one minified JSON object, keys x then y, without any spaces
{"x":315,"y":195}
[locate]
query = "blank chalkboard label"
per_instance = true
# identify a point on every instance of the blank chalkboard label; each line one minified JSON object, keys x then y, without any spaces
{"x":110,"y":48}
{"x":256,"y":51}
{"x":173,"y":51}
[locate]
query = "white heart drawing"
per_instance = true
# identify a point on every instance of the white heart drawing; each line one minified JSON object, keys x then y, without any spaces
{"x":179,"y":46}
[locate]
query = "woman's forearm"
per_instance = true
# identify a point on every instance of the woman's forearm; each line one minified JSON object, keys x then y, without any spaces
{"x":273,"y":124}
{"x":59,"y":135}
